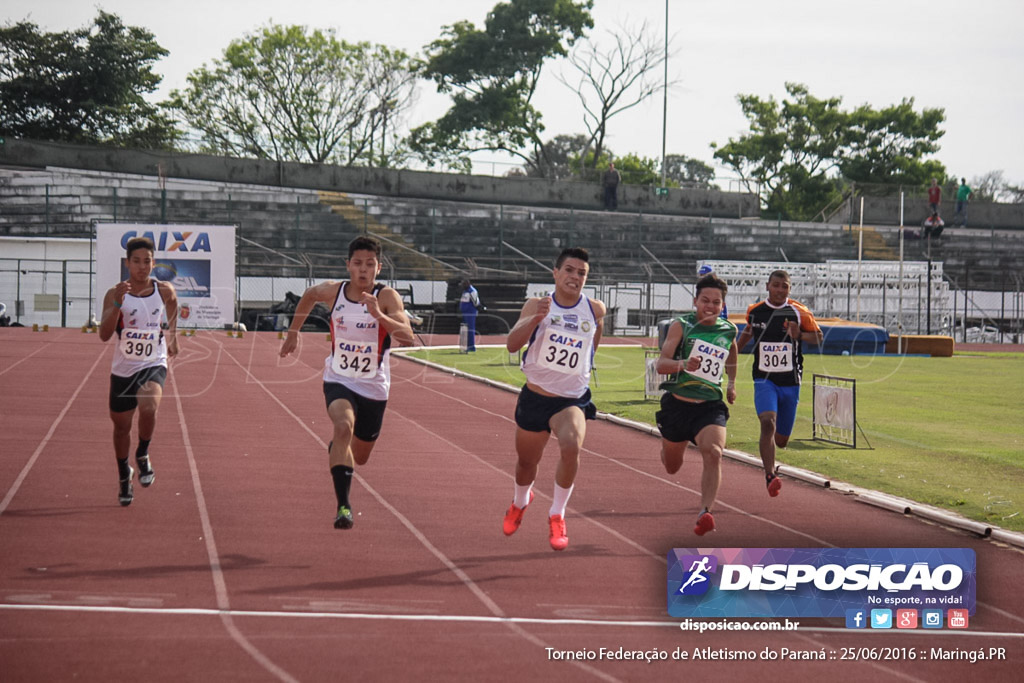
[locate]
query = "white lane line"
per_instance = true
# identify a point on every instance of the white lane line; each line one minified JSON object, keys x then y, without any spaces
{"x":219,"y":584}
{"x":46,"y":439}
{"x":467,"y":581}
{"x":16,"y":363}
{"x":479,"y":619}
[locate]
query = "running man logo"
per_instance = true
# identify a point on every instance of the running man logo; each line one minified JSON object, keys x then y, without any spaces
{"x":696,"y":580}
{"x":170,"y":240}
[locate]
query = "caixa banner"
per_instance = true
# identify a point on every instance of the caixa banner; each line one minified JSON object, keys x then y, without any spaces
{"x":817,"y":582}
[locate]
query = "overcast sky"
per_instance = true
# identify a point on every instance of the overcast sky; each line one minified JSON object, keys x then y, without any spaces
{"x":967,"y":58}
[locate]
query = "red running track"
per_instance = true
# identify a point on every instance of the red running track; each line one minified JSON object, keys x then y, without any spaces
{"x":228,"y":567}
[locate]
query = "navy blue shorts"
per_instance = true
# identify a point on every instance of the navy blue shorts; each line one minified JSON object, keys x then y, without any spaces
{"x":124,"y":390}
{"x":769,"y":397}
{"x":534,"y":411}
{"x":369,"y":413}
{"x":680,"y":421}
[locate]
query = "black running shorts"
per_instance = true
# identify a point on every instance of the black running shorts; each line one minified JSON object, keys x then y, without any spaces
{"x":124,"y":390}
{"x":534,"y":411}
{"x":682,"y":421}
{"x":369,"y":413}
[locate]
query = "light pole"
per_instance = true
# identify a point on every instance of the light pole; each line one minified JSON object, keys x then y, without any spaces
{"x":664,"y":106}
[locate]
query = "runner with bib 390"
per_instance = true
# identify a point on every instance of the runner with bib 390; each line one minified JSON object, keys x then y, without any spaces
{"x":699,"y":349}
{"x":366,"y":317}
{"x":779,"y":326}
{"x":136,"y":310}
{"x":563,"y":331}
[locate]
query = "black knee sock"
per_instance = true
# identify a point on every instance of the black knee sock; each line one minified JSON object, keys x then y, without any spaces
{"x":342,"y":476}
{"x":123,"y":469}
{"x":143,"y":449}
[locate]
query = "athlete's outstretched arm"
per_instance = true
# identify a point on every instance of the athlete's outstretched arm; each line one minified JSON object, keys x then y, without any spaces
{"x":324,"y":292}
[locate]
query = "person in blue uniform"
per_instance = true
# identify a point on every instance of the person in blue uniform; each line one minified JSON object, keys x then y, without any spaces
{"x":469,"y":304}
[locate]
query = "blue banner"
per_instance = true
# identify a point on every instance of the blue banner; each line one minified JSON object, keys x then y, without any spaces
{"x":817,"y":582}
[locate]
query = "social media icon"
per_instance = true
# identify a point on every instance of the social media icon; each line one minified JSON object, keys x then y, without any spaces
{"x":856,"y":618}
{"x":906,"y":618}
{"x":957,"y":618}
{"x":931,"y":618}
{"x":881,"y":618}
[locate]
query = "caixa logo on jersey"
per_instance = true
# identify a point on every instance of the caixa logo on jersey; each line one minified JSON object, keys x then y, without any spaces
{"x":817,"y":582}
{"x":171,"y":240}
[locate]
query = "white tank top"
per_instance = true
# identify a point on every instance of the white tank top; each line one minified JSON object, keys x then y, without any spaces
{"x":560,"y":354}
{"x":140,"y":338}
{"x":360,"y":349}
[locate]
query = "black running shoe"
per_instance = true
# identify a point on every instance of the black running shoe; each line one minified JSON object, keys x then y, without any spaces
{"x":146,"y":473}
{"x":344,"y":518}
{"x":125,"y":492}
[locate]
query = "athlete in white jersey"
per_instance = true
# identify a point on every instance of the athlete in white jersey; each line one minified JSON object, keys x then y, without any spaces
{"x":136,"y":311}
{"x":563,"y":331}
{"x":366,"y":318}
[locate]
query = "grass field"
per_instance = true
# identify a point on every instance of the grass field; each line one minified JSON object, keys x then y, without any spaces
{"x":947,"y":432}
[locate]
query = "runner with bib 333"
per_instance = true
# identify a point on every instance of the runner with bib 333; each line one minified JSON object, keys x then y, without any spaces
{"x":779,"y":327}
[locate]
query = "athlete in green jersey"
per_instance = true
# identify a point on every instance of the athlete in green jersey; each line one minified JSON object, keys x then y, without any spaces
{"x":699,"y":349}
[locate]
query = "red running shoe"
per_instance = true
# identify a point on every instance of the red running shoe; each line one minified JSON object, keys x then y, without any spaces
{"x":514,"y":516}
{"x":774,"y":486}
{"x":559,"y":541}
{"x":705,"y":523}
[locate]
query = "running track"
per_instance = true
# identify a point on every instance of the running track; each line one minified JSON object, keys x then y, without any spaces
{"x":228,"y":568}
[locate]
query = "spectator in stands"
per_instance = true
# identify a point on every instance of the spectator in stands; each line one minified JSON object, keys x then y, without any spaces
{"x":469,"y":304}
{"x":563,"y":331}
{"x":933,"y":225}
{"x":699,"y":349}
{"x":611,"y":188}
{"x":779,"y":326}
{"x":963,"y":194}
{"x":136,"y":310}
{"x":366,"y":318}
{"x":934,"y":196}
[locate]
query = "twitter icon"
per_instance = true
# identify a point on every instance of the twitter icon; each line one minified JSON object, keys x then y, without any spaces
{"x":881,"y":618}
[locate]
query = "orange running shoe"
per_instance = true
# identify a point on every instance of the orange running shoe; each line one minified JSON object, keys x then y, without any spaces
{"x":514,"y":516}
{"x":559,"y":541}
{"x":774,"y":486}
{"x":705,"y":523}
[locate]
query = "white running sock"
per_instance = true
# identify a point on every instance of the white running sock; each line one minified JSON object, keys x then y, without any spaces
{"x":522,"y":495}
{"x":561,"y":499}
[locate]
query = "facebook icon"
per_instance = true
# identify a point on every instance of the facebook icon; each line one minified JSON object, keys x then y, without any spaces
{"x":856,"y":618}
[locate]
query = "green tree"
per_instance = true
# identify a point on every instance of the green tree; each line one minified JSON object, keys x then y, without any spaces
{"x":801,"y":153}
{"x":556,"y":159}
{"x":634,"y":169}
{"x":83,"y":86}
{"x":491,"y":75}
{"x":689,"y":172}
{"x":290,"y":94}
{"x":886,"y":146}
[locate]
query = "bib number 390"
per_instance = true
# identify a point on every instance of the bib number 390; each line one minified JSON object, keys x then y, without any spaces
{"x":140,"y":345}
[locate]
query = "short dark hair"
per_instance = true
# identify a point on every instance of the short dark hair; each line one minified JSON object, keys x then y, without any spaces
{"x":779,"y":274}
{"x":136,"y":243}
{"x":572,"y":252}
{"x":711,"y":281}
{"x":365,"y":243}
